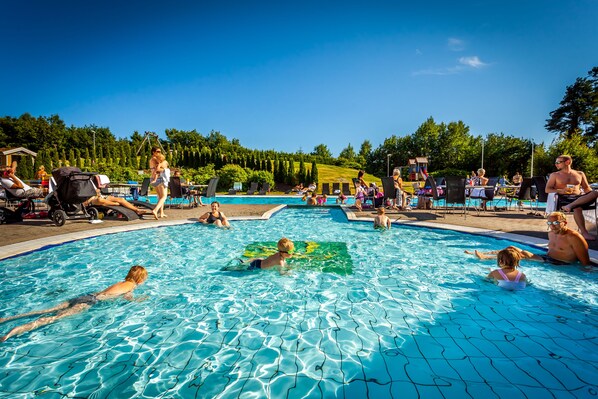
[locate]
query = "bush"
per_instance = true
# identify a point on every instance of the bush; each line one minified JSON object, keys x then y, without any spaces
{"x":229,"y":174}
{"x":202,"y":175}
{"x":260,"y":176}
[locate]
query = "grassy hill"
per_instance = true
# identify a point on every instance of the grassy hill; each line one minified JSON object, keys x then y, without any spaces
{"x":333,"y":174}
{"x":338,"y":174}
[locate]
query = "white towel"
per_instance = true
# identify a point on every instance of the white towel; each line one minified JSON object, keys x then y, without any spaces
{"x":550,"y":204}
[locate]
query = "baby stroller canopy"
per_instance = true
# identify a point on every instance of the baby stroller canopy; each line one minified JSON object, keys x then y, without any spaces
{"x":72,"y":185}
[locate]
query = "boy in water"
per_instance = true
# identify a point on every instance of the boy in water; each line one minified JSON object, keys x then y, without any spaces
{"x":381,"y":221}
{"x":275,"y":261}
{"x":137,"y":275}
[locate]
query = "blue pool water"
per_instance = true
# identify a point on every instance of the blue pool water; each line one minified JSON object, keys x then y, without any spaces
{"x":413,"y":319}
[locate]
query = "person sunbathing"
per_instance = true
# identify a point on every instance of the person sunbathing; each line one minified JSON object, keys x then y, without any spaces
{"x":136,"y":276}
{"x":109,"y":200}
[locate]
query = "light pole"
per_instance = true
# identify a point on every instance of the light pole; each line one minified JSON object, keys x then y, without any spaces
{"x":94,"y":145}
{"x":388,"y":164}
{"x":482,"y":154}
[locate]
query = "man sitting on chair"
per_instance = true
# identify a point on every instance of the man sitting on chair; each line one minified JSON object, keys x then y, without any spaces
{"x":567,"y":182}
{"x":15,"y":186}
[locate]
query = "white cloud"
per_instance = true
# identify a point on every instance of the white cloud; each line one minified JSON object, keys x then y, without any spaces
{"x":473,"y":61}
{"x":418,"y":52}
{"x":455,"y":44}
{"x":465,"y":63}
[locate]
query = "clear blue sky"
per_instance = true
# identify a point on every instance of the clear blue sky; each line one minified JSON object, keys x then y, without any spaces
{"x":290,"y":75}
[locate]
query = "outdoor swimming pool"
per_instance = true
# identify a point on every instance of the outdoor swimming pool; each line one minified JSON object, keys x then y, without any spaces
{"x":366,"y":314}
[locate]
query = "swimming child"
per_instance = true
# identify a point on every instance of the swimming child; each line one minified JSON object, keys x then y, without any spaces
{"x":508,"y":277}
{"x":275,"y":261}
{"x":136,"y":276}
{"x":313,"y":200}
{"x":381,"y":221}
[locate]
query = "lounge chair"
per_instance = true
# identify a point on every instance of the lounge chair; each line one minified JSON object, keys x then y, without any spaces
{"x":210,"y":191}
{"x":252,"y":188}
{"x":346,"y":189}
{"x":237,"y":186}
{"x":143,"y":192}
{"x":336,"y":189}
{"x":265,"y":189}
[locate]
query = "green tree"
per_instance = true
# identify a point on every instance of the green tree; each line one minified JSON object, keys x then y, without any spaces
{"x":348,"y":153}
{"x":578,"y":110}
{"x":314,"y":173}
{"x":322,"y":152}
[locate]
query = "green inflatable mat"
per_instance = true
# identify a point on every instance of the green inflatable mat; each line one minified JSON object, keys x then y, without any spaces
{"x":327,"y":257}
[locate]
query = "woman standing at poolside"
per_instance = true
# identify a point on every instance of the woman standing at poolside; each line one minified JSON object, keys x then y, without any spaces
{"x":159,"y":180}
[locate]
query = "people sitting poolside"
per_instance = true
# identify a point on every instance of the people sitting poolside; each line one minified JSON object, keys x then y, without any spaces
{"x":322,"y":199}
{"x":313,"y":199}
{"x":565,"y":246}
{"x":214,"y":217}
{"x":15,"y":186}
{"x":136,"y":276}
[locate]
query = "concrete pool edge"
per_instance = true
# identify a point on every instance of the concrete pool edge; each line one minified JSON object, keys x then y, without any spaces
{"x":24,"y":247}
{"x":501,"y":235}
{"x":11,"y":250}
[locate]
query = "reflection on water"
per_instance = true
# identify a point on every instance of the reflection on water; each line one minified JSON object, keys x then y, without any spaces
{"x":414,"y":318}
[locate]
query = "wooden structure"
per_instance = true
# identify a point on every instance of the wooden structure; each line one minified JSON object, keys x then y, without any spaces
{"x":418,"y":168}
{"x":8,"y":155}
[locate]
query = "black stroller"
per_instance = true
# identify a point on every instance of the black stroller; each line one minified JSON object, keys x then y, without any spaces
{"x":71,"y":188}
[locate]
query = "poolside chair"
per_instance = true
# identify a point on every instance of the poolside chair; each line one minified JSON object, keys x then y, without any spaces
{"x":210,"y":191}
{"x":542,"y":196}
{"x":237,"y":186}
{"x":434,"y":192}
{"x":265,"y":189}
{"x":455,"y":193}
{"x":523,"y":193}
{"x":487,"y":194}
{"x":252,"y":188}
{"x":326,"y":188}
{"x":144,"y":192}
{"x":175,"y":191}
{"x":336,"y":188}
{"x":345,"y":189}
{"x":388,"y":188}
{"x":562,"y":200}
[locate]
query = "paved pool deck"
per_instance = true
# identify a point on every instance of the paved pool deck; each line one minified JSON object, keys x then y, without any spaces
{"x":520,"y":226}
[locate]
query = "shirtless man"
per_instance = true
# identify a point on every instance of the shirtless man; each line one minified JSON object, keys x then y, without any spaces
{"x":565,"y":246}
{"x":137,"y":275}
{"x":568,"y":182}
